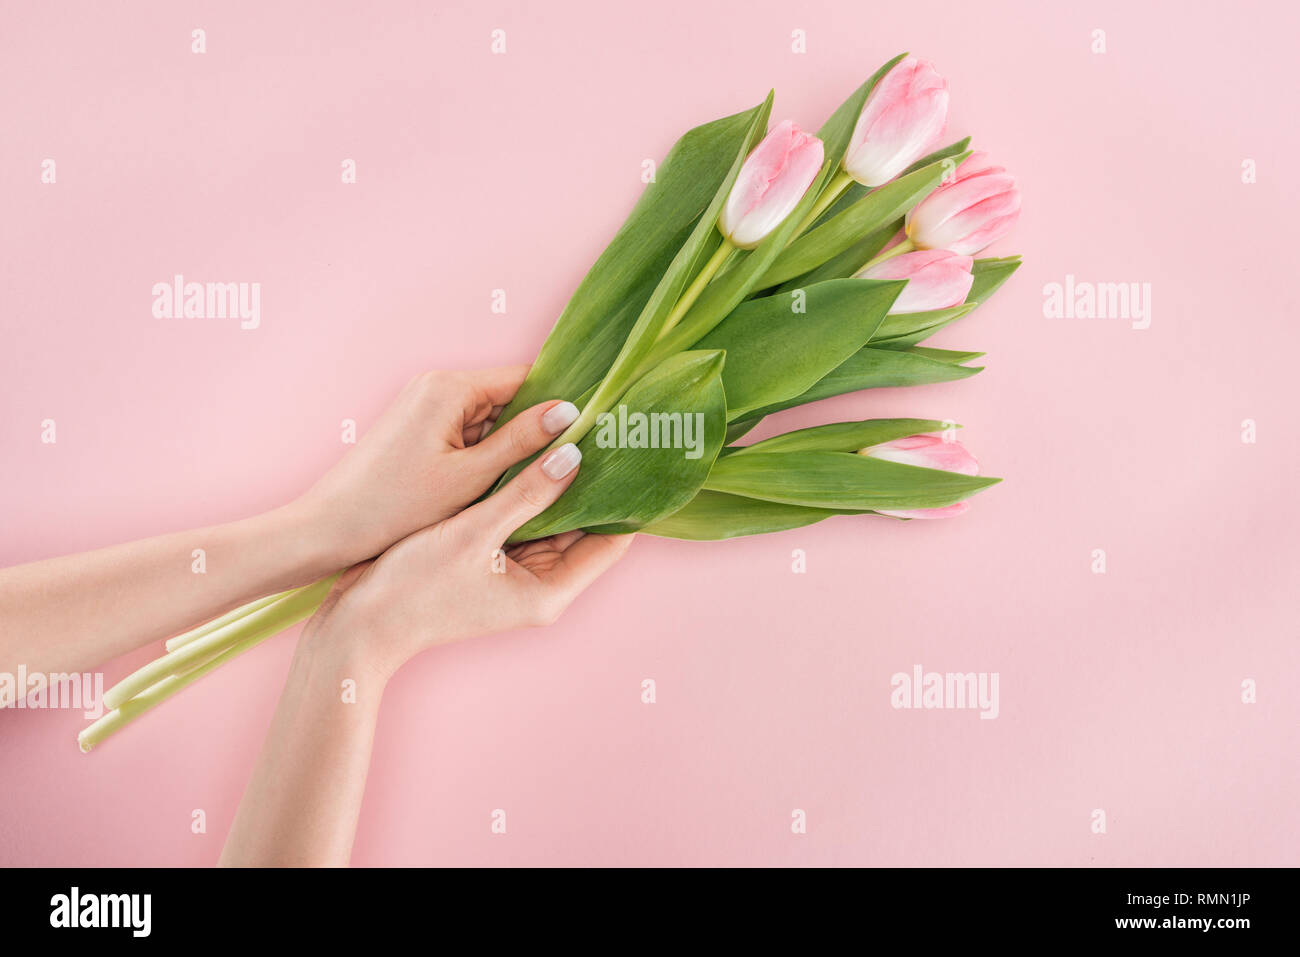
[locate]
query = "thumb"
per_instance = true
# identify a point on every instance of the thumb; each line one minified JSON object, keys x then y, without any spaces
{"x":526,"y":496}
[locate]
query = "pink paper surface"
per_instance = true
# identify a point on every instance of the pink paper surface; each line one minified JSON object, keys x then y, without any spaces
{"x":1119,"y":692}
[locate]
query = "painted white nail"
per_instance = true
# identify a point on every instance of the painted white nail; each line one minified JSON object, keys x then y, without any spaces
{"x":561,"y":462}
{"x":559,"y":417}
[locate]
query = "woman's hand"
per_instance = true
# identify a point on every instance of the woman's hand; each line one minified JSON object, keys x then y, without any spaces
{"x":423,"y":462}
{"x":453,"y":580}
{"x":446,"y":582}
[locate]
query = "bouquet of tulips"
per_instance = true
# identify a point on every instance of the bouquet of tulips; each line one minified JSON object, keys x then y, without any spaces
{"x":761,"y":270}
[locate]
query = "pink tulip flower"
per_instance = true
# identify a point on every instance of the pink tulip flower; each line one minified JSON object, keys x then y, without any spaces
{"x":976,"y":209}
{"x":928,"y":452}
{"x":936,"y":279}
{"x":903,"y":117}
{"x":773,"y":179}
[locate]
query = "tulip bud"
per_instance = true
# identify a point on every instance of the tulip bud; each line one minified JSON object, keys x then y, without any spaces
{"x":936,"y":279}
{"x":976,"y":209}
{"x":772,"y":180}
{"x":927,"y":452}
{"x":904,"y":115}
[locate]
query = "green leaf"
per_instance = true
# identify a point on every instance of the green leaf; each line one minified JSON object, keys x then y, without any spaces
{"x":595,"y":324}
{"x":775,"y":352}
{"x":620,"y":489}
{"x":954,"y":151}
{"x":711,"y":516}
{"x":840,"y":480}
{"x":949,"y":356}
{"x":869,"y":368}
{"x":847,"y":263}
{"x":903,"y":330}
{"x":874,"y":211}
{"x":844,"y":436}
{"x":990,"y":274}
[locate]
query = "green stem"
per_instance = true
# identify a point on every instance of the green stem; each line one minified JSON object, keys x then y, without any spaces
{"x":697,"y":286}
{"x":587,"y":418}
{"x":267,"y":621}
{"x":829,"y":195}
{"x":243,"y":611}
{"x":156,"y":694}
{"x":906,"y":246}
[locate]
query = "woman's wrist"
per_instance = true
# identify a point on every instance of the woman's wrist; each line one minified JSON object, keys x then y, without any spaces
{"x":351,"y":634}
{"x":335,"y":651}
{"x":315,"y":542}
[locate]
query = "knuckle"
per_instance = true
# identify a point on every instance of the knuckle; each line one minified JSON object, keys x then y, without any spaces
{"x":545,"y":611}
{"x":452,"y":534}
{"x":530,"y":495}
{"x":521,"y":441}
{"x":423,"y":385}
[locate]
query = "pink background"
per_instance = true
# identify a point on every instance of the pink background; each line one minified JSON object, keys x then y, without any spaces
{"x":476,"y":172}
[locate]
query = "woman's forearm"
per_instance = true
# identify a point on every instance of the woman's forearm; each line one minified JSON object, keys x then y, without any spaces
{"x":73,"y":613}
{"x":301,"y":806}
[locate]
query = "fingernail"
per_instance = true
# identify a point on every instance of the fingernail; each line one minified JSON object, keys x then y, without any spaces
{"x":559,"y":417}
{"x":561,"y":462}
